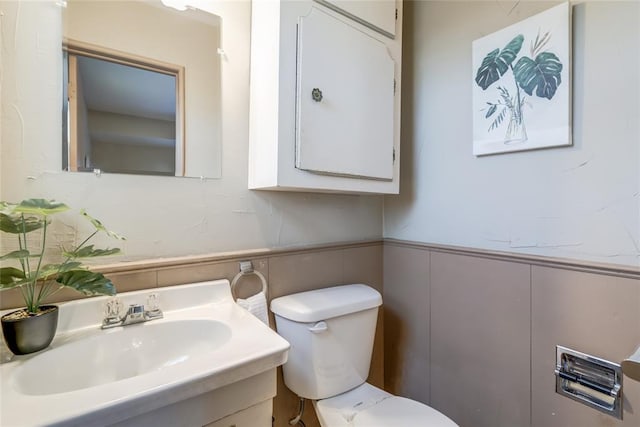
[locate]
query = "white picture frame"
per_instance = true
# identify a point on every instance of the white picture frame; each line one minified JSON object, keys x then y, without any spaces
{"x":522,"y":85}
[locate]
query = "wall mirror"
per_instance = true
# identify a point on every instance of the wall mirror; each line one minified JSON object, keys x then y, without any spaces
{"x":141,"y":89}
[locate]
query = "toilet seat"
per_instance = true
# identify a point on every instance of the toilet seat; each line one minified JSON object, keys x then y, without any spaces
{"x":368,"y":406}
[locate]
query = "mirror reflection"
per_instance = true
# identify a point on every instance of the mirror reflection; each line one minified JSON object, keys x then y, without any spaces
{"x":142,"y":89}
{"x":121,"y":118}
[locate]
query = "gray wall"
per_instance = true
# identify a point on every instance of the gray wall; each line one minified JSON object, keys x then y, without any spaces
{"x":578,"y":202}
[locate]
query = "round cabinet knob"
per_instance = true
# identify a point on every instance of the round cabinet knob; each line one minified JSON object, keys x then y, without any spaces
{"x":316,"y":94}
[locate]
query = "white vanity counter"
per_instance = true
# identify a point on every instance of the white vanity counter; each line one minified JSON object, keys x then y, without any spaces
{"x":94,"y":377}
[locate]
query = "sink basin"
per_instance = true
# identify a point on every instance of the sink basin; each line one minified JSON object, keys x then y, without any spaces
{"x":93,"y":377}
{"x":119,"y":354}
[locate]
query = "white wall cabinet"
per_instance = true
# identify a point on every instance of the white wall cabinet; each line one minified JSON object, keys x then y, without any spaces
{"x":379,"y":14}
{"x":325,"y":97}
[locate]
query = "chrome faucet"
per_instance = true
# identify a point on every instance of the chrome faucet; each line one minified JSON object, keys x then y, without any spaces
{"x":136,"y":313}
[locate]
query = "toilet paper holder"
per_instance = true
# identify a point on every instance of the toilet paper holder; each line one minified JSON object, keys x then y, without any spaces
{"x":590,"y":380}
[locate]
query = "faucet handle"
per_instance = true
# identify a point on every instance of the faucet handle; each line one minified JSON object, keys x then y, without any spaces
{"x":152,"y":307}
{"x":112,"y":308}
{"x":153,"y":302}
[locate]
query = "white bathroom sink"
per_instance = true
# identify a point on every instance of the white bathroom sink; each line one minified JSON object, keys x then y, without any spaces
{"x":120,"y":353}
{"x":95,"y":377}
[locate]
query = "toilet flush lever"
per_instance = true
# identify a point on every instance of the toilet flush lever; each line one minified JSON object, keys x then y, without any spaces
{"x":318,"y":328}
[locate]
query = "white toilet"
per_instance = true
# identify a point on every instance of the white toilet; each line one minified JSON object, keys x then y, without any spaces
{"x":331,"y":333}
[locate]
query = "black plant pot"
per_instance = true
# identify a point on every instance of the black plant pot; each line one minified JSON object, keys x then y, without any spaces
{"x":30,"y":334}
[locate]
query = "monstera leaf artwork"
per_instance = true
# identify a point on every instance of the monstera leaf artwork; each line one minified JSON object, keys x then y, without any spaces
{"x":519,"y":72}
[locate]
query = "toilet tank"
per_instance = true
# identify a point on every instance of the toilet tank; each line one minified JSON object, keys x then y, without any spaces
{"x":331,"y":333}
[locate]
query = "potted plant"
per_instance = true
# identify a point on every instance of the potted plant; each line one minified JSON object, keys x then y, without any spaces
{"x":33,"y":327}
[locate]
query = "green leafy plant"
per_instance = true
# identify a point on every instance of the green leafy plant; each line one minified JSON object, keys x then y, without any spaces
{"x":30,"y":274}
{"x":540,"y":73}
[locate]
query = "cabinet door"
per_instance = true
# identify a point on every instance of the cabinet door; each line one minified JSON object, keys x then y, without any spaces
{"x":380,"y":14}
{"x":345,"y":100}
{"x":256,"y":416}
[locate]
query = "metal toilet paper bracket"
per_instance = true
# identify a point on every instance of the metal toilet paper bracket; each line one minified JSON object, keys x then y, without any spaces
{"x":590,"y":380}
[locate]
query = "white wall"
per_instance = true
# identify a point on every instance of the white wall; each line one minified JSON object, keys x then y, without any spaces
{"x":579,"y":202}
{"x":160,"y":216}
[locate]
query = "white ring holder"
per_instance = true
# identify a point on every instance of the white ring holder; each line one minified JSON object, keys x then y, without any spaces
{"x":246,"y":268}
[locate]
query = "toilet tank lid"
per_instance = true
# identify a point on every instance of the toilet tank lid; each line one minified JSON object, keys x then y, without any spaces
{"x":322,"y":304}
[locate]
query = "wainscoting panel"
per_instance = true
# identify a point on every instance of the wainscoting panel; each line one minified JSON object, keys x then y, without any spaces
{"x":592,"y":313}
{"x":493,"y":322}
{"x":470,"y":332}
{"x":406,"y":314}
{"x":480,"y":340}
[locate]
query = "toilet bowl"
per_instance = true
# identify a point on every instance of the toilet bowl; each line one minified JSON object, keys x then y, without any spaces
{"x":331,"y":332}
{"x":368,"y":406}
